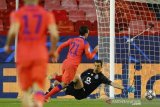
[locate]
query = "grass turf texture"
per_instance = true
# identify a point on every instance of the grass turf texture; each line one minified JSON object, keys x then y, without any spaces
{"x":85,"y":103}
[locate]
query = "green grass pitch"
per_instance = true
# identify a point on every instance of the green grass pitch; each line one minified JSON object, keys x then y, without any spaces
{"x":85,"y":103}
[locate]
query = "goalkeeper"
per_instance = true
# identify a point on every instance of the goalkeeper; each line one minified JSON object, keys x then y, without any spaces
{"x":83,"y":85}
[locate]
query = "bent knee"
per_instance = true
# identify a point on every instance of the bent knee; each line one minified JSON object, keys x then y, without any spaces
{"x":56,"y":83}
{"x":76,"y":78}
{"x":64,"y":85}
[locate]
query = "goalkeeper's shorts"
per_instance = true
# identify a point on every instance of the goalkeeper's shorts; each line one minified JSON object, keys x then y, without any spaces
{"x":77,"y":93}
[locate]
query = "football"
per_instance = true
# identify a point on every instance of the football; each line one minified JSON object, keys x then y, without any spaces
{"x":150,"y":95}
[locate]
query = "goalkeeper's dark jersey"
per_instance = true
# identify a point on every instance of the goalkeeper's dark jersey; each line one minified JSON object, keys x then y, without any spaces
{"x":91,"y":81}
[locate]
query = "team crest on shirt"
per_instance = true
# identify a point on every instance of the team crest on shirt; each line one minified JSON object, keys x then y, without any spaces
{"x":96,"y":76}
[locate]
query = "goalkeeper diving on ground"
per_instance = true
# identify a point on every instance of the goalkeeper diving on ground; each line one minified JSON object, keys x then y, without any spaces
{"x":82,"y":86}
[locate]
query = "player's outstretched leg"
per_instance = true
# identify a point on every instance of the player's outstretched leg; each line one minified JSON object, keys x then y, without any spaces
{"x":27,"y":99}
{"x":58,"y":78}
{"x":54,"y":84}
{"x":55,"y":76}
{"x":38,"y":96}
{"x":55,"y":90}
{"x":38,"y":99}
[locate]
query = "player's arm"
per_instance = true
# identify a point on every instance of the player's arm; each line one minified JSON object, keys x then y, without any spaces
{"x":84,"y":73}
{"x":90,"y":55}
{"x":107,"y":99}
{"x":115,"y":85}
{"x":54,"y":36}
{"x":63,"y":45}
{"x":52,"y":27}
{"x":13,"y":31}
{"x":105,"y":80}
{"x":129,"y":89}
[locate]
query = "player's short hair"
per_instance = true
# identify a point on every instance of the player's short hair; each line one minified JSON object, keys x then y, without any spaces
{"x":99,"y":61}
{"x":83,"y":30}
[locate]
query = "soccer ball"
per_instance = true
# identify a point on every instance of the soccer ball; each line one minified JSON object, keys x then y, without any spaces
{"x":150,"y":94}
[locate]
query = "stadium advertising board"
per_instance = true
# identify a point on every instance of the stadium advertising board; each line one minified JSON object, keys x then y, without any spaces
{"x":146,"y":78}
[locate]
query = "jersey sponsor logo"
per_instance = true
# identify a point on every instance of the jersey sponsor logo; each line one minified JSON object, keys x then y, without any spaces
{"x":146,"y":78}
{"x":88,"y":80}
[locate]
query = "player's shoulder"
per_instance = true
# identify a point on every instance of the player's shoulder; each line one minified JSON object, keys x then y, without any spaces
{"x":70,"y":39}
{"x":85,"y":42}
{"x":43,"y":10}
{"x":14,"y":13}
{"x":102,"y":75}
{"x":82,"y":39}
{"x":49,"y":15}
{"x":89,"y":70}
{"x":20,"y":10}
{"x":75,"y":39}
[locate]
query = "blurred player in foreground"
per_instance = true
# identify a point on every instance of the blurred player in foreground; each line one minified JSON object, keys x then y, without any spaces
{"x":31,"y":23}
{"x":77,"y":47}
{"x":83,"y":85}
